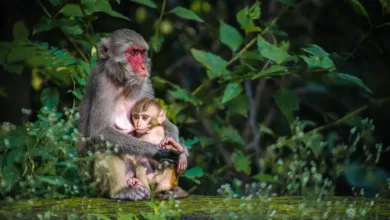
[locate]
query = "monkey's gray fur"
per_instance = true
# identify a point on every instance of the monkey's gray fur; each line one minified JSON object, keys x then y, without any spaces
{"x":111,"y":79}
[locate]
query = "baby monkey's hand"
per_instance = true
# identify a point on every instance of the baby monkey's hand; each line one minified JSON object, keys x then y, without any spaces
{"x":170,"y":144}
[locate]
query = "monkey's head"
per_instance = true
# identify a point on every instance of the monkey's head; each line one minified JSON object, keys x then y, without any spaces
{"x":129,"y":50}
{"x":146,"y":114}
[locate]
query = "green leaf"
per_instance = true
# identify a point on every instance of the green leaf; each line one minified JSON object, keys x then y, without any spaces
{"x":255,"y":11}
{"x":11,"y":175}
{"x":315,"y":50}
{"x":182,"y":94}
{"x":185,"y":13}
{"x":249,"y":28}
{"x":270,"y":51}
{"x":274,"y":70}
{"x":72,"y":10}
{"x":156,"y":43}
{"x":78,"y":93}
{"x":148,"y":3}
{"x":231,"y":134}
{"x":19,"y":31}
{"x":266,"y":178}
{"x":73,"y":30}
{"x":230,"y":36}
{"x":243,"y":17}
{"x":385,"y":6}
{"x":21,"y":54}
{"x":318,"y":62}
{"x":287,"y":101}
{"x":241,"y":162}
{"x":105,"y":7}
{"x":194,"y":172}
{"x":349,"y":79}
{"x":232,"y":90}
{"x":12,"y":141}
{"x":315,"y":143}
{"x":358,"y":7}
{"x":55,"y":2}
{"x":16,"y":155}
{"x":215,"y":64}
{"x":238,"y":105}
{"x":287,"y":2}
{"x":206,"y":141}
{"x":53,"y":180}
{"x":50,"y":97}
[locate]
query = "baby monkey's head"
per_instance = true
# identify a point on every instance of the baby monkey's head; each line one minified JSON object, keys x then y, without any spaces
{"x":146,"y":114}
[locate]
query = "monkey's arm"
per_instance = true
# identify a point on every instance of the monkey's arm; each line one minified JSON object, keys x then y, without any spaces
{"x":172,"y":131}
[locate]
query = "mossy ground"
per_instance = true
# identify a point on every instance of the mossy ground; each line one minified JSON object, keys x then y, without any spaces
{"x":198,"y":207}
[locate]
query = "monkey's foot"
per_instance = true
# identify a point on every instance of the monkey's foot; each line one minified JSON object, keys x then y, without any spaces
{"x":176,"y":193}
{"x":131,"y":181}
{"x":134,"y":193}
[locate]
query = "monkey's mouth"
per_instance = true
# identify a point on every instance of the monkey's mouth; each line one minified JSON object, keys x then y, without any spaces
{"x":142,"y":131}
{"x":141,"y":76}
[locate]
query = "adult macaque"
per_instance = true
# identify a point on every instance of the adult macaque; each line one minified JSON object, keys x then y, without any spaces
{"x":148,"y":116}
{"x":120,"y":79}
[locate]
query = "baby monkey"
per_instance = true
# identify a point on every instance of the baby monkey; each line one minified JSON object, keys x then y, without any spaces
{"x":147,"y":117}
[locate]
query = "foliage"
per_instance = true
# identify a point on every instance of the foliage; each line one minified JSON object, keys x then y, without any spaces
{"x":216,"y":104}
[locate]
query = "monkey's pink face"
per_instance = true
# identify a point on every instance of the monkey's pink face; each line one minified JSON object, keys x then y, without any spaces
{"x":137,"y":57}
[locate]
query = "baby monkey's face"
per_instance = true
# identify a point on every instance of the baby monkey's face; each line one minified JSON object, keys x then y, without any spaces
{"x":145,"y":120}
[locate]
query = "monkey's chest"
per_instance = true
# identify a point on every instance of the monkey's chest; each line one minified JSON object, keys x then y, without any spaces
{"x":122,"y":116}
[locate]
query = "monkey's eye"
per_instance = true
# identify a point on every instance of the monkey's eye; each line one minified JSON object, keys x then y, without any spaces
{"x":133,"y":52}
{"x":135,"y":116}
{"x":144,"y":117}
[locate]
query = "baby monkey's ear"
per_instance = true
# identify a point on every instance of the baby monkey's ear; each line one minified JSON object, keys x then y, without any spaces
{"x":162,"y":116}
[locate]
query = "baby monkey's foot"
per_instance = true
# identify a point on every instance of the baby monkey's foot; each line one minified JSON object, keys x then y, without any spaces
{"x":131,"y":181}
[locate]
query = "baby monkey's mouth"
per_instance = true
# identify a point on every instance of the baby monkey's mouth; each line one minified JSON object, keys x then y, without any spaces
{"x":142,"y":131}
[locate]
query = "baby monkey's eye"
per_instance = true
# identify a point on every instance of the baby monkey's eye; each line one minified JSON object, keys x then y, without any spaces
{"x":135,"y":116}
{"x":144,"y":117}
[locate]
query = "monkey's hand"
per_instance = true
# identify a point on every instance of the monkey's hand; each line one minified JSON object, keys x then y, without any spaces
{"x":170,"y":144}
{"x":166,"y":154}
{"x":182,"y":163}
{"x":134,"y":182}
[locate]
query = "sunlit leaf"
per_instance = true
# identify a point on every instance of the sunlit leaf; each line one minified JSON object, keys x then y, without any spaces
{"x":148,"y":3}
{"x":156,"y":43}
{"x":215,"y":64}
{"x":316,"y":50}
{"x":251,"y":28}
{"x":241,"y":162}
{"x":185,"y":13}
{"x":50,"y":97}
{"x":232,"y":90}
{"x":287,"y":101}
{"x":19,"y":31}
{"x":194,"y":172}
{"x":358,"y":7}
{"x":254,"y":11}
{"x":182,"y":94}
{"x":230,"y":36}
{"x":72,"y":10}
{"x":270,"y":51}
{"x":315,"y":143}
{"x":243,"y":17}
{"x":53,"y":180}
{"x":318,"y":62}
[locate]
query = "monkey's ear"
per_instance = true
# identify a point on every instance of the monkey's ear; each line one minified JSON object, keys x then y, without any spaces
{"x":162,"y":116}
{"x":103,"y":48}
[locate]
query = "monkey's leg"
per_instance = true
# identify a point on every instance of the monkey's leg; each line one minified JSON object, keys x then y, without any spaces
{"x":168,"y":185}
{"x":118,"y":183}
{"x":143,"y":171}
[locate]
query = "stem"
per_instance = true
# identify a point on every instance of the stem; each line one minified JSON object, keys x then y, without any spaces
{"x":67,"y":36}
{"x":253,"y":41}
{"x":159,"y":20}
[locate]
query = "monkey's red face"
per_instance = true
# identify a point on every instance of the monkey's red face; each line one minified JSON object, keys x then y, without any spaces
{"x":137,"y":57}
